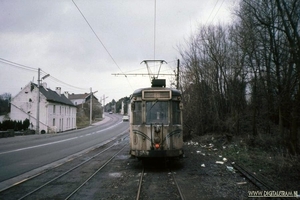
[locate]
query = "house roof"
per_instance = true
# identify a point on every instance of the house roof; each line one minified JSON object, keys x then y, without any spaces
{"x":81,"y":96}
{"x":78,"y":96}
{"x":54,"y":97}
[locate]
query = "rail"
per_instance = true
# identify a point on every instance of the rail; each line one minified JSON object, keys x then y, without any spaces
{"x":65,"y":173}
{"x":140,"y":184}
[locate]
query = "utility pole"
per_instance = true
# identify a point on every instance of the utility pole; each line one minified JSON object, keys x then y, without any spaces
{"x":177,"y":76}
{"x":91,"y":107}
{"x":103,"y":105}
{"x":38,"y":100}
{"x":38,"y":103}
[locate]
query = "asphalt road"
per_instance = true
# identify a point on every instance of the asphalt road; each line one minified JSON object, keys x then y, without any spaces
{"x":22,"y":154}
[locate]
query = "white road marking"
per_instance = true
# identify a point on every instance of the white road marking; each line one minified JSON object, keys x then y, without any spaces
{"x":41,"y":145}
{"x":60,"y":141}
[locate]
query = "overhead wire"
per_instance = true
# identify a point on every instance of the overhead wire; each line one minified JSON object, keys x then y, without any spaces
{"x":17,"y":65}
{"x":211,"y":12}
{"x":28,"y":68}
{"x":218,"y":10}
{"x":100,"y":41}
{"x":59,"y":81}
{"x":133,"y":70}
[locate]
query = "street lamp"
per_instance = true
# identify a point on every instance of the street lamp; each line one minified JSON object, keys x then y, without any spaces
{"x":46,"y":76}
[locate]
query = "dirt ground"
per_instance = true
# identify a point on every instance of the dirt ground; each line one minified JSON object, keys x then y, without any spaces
{"x":199,"y":174}
{"x":205,"y":172}
{"x":208,"y":174}
{"x":280,"y":171}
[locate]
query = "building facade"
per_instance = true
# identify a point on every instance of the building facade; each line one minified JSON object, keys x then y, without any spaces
{"x":56,"y":112}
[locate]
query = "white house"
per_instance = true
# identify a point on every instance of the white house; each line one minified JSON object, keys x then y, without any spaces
{"x":80,"y":99}
{"x":126,"y":108}
{"x":57,"y":112}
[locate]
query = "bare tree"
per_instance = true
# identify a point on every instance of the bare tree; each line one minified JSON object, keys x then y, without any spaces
{"x":257,"y":57}
{"x":277,"y":36}
{"x":211,"y":66}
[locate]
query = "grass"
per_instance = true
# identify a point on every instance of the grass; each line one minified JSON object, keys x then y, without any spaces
{"x":267,"y":159}
{"x":265,"y":156}
{"x":85,"y":121}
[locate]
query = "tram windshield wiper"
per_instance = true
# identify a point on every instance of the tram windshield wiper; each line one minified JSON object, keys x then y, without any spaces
{"x":148,"y":112}
{"x":153,"y":105}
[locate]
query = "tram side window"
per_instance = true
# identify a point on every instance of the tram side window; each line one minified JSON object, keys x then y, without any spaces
{"x":137,"y":113}
{"x":176,"y":112}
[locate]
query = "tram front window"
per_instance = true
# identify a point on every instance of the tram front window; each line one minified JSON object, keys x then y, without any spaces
{"x":156,"y":112}
{"x":136,"y":108}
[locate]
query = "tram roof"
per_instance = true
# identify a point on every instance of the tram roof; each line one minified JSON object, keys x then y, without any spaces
{"x":138,"y":92}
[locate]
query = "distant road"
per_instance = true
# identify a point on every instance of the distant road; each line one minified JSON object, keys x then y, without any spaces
{"x":21,"y":154}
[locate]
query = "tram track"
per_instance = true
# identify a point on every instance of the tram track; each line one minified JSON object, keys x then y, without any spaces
{"x":64,"y":180}
{"x":260,"y":184}
{"x":161,"y":182}
{"x":257,"y":181}
{"x":93,"y":175}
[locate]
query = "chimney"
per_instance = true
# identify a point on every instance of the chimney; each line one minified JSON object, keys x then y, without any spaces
{"x":58,"y":90}
{"x":44,"y":84}
{"x":66,"y":94}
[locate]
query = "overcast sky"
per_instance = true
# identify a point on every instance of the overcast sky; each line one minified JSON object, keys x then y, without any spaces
{"x":54,"y":36}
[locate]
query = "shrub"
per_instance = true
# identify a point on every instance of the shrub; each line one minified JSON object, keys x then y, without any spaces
{"x":26,"y":124}
{"x":13,"y":124}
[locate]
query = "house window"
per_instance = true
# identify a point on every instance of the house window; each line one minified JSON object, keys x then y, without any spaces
{"x":53,"y":108}
{"x":53,"y":121}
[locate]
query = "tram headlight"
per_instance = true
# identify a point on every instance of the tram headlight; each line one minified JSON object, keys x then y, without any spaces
{"x":157,"y":146}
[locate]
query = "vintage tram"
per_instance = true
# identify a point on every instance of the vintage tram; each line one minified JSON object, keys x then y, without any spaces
{"x":156,"y":122}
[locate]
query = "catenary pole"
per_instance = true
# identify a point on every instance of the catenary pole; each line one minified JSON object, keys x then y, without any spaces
{"x":177,"y":77}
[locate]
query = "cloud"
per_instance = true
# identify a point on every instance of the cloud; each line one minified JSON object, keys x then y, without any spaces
{"x":53,"y":36}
